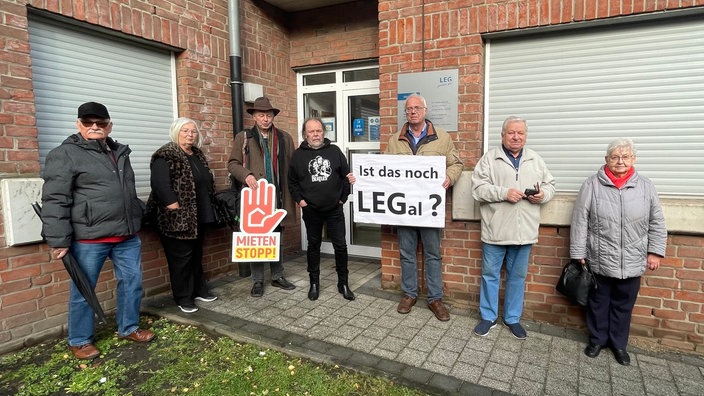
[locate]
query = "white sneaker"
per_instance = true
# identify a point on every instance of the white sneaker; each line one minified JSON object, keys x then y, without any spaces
{"x":188,"y":308}
{"x":207,"y":298}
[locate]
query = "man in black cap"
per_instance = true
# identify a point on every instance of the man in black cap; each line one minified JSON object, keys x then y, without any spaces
{"x":264,"y":152}
{"x":90,"y":209}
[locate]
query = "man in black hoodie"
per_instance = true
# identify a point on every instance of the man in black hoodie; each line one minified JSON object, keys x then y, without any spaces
{"x":319,"y":181}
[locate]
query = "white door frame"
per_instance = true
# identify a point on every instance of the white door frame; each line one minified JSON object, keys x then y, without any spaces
{"x":343,"y":91}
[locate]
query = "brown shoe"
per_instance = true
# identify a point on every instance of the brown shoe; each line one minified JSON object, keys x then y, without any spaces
{"x":439,"y":310}
{"x":405,"y":305}
{"x":86,"y":351}
{"x":140,"y":335}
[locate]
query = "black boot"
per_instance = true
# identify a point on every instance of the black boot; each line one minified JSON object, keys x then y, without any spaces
{"x":345,"y":291}
{"x":314,"y":291}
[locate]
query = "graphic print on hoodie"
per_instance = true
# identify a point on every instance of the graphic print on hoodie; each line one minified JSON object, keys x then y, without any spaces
{"x":319,"y":169}
{"x":319,"y":176}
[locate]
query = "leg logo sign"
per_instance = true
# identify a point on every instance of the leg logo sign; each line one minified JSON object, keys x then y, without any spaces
{"x":258,"y":219}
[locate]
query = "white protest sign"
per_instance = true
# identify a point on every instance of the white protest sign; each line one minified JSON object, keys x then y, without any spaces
{"x":399,"y":190}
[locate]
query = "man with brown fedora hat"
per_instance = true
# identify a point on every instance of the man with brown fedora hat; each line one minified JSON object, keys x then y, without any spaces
{"x":263,"y":104}
{"x":264,"y":152}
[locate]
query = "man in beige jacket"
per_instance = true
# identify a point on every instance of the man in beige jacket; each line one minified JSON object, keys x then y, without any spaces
{"x":419,"y":136}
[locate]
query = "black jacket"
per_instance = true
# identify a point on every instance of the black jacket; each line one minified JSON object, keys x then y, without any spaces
{"x":87,"y":195}
{"x":319,"y":176}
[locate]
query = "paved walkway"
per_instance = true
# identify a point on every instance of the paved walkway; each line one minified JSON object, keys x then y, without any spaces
{"x":416,"y":349}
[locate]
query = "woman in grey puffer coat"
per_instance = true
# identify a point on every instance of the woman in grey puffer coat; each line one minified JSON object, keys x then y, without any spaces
{"x":619,"y":228}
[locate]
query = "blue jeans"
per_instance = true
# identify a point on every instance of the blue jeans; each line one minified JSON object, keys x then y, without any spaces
{"x":516,"y":271}
{"x":126,"y":257}
{"x":407,"y":246}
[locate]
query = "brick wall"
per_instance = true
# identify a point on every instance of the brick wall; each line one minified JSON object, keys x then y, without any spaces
{"x":34,"y":289}
{"x":446,"y":35}
{"x":343,"y":33}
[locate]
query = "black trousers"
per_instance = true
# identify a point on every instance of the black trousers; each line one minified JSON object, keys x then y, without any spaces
{"x":185,"y":260}
{"x":609,"y":310}
{"x":334,"y":220}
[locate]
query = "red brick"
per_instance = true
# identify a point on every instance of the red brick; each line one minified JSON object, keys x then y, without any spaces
{"x":7,"y":288}
{"x":21,"y":273}
{"x":668,"y":314}
{"x":680,"y":345}
{"x":17,"y":310}
{"x":689,"y":296}
{"x":652,"y":281}
{"x":21,"y":297}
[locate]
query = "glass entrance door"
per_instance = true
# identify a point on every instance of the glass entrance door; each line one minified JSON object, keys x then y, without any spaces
{"x":347,"y":101}
{"x":362,"y":135}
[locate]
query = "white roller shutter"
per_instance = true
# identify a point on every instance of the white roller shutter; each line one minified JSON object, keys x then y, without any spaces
{"x":71,"y":66}
{"x":581,"y":89}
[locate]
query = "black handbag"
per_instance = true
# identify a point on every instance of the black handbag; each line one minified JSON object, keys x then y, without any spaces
{"x":227,"y":205}
{"x":576,"y":281}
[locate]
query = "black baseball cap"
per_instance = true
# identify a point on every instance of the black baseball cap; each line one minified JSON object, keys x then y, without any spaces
{"x":93,"y":109}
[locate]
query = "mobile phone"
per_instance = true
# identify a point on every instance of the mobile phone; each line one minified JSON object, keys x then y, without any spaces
{"x":531,"y":191}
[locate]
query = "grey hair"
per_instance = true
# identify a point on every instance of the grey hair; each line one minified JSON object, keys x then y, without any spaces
{"x":618,"y":143}
{"x":303,"y":128}
{"x":510,"y":120}
{"x":176,"y":128}
{"x":422,"y":99}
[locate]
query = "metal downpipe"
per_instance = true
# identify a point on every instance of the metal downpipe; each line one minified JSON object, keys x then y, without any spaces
{"x":236,"y":85}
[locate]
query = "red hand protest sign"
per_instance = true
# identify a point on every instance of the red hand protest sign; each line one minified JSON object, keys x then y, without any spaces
{"x":258,"y":211}
{"x":258,"y":219}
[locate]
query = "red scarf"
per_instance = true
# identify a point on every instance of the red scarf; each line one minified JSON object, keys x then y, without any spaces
{"x":619,"y":181}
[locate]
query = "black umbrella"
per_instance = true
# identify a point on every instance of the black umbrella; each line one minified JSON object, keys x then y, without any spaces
{"x":78,"y":277}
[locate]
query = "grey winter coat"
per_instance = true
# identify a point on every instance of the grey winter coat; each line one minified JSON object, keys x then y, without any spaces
{"x":86,"y":195}
{"x":616,"y":229}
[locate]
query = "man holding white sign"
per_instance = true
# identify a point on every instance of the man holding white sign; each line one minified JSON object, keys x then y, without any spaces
{"x":419,"y":137}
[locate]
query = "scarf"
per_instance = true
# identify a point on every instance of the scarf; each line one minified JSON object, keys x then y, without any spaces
{"x":619,"y":181}
{"x":271,"y":154}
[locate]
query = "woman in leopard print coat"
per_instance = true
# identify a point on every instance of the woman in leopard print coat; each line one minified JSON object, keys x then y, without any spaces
{"x":181,"y":204}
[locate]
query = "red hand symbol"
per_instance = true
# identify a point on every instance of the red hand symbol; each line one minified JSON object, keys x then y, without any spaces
{"x":258,"y":212}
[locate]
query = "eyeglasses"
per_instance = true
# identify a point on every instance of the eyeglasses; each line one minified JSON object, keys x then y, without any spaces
{"x":188,"y":132}
{"x":624,"y":158}
{"x":414,"y":109}
{"x":99,"y":123}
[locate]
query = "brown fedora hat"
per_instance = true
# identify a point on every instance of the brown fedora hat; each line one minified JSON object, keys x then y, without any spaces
{"x":262,"y":104}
